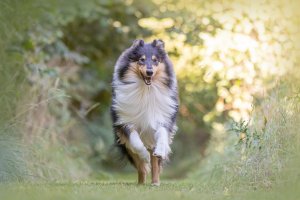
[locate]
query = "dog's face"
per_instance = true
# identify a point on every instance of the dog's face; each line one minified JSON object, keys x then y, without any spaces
{"x":146,"y":59}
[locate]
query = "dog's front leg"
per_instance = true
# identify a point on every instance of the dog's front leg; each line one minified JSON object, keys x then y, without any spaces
{"x":161,"y":151}
{"x":136,"y":145}
{"x":155,"y":169}
{"x":162,"y":147}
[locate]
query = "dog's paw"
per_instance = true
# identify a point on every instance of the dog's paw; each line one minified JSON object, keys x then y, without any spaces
{"x":155,"y":184}
{"x":162,"y":150}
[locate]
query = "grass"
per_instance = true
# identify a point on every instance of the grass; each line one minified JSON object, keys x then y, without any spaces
{"x":128,"y":189}
{"x":115,"y":189}
{"x":105,"y":190}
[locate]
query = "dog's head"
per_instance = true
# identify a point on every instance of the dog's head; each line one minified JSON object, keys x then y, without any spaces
{"x":146,"y":60}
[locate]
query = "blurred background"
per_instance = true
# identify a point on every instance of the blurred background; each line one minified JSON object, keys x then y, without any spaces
{"x":236,"y":63}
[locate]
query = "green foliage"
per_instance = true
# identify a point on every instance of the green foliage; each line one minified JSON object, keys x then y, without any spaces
{"x":226,"y":56}
{"x":246,"y":137}
{"x":12,"y":89}
{"x":265,"y":146}
{"x":69,"y":73}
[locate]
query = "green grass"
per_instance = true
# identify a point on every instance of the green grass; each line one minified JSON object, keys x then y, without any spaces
{"x":115,"y":189}
{"x":105,"y":190}
{"x":128,"y":189}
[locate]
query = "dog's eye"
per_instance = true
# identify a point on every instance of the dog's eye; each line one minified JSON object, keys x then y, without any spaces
{"x":155,"y":61}
{"x":142,"y":60}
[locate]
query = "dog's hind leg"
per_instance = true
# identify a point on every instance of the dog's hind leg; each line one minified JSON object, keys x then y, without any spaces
{"x":137,"y":151}
{"x":142,"y":172}
{"x":140,"y":155}
{"x":141,"y":166}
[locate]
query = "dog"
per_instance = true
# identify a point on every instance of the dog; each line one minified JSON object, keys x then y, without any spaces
{"x":144,"y":106}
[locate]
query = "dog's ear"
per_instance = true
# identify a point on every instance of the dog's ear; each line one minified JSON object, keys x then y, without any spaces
{"x":158,"y":43}
{"x":138,"y":42}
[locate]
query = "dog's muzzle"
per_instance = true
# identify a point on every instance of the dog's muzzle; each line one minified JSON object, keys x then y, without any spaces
{"x":147,"y":79}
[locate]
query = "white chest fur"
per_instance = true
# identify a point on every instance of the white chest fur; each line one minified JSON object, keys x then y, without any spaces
{"x":144,"y":107}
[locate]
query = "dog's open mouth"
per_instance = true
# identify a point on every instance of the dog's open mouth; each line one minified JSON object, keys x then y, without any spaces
{"x":147,"y":79}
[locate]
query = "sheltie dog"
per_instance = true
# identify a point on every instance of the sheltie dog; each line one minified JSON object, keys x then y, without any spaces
{"x":144,"y":106}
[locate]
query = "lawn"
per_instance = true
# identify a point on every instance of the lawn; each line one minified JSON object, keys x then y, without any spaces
{"x":128,"y":189}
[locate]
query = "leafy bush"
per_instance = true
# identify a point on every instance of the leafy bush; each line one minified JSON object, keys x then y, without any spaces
{"x":265,"y":147}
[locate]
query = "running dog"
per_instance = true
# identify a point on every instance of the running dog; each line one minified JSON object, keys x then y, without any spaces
{"x":144,"y":106}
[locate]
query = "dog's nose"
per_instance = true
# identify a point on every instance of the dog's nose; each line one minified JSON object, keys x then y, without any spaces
{"x":149,"y":72}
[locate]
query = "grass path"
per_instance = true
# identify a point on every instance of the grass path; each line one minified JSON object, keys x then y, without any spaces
{"x":108,"y":190}
{"x":128,"y":189}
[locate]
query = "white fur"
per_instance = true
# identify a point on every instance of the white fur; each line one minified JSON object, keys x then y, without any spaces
{"x":147,"y":109}
{"x":162,"y":148}
{"x":137,"y":146}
